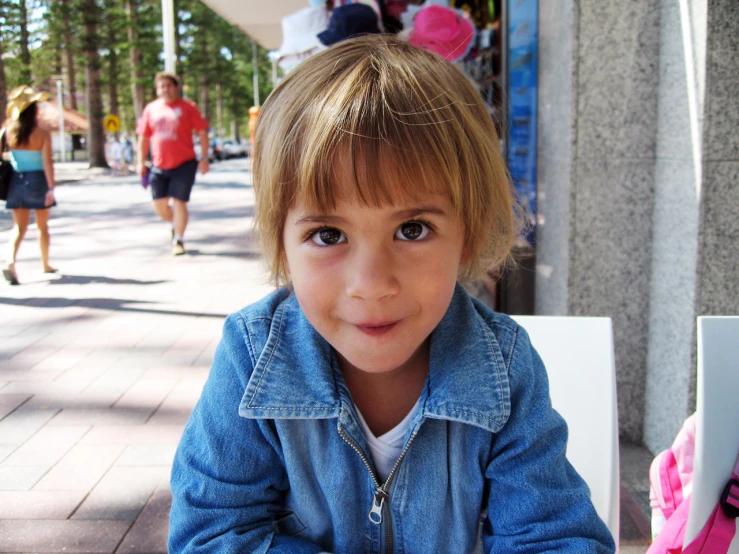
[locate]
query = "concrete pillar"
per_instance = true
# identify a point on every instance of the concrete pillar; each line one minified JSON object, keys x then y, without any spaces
{"x":675,"y":222}
{"x":599,"y":187}
{"x":697,"y":220}
{"x":639,"y":186}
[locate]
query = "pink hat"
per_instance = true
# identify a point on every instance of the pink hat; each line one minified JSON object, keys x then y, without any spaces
{"x":442,"y":30}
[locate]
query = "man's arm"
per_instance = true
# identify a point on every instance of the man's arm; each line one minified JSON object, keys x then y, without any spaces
{"x":203,"y":164}
{"x":143,"y":152}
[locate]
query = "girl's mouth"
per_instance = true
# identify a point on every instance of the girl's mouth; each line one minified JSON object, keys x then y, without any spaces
{"x":376,"y":330}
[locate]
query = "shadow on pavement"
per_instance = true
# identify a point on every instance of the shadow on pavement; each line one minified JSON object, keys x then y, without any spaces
{"x":113,"y":304}
{"x":99,"y":279}
{"x":198,"y":213}
{"x":226,"y":254}
{"x":226,"y":185}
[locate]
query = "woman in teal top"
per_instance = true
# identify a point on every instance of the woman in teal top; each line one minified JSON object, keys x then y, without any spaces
{"x":32,"y":183}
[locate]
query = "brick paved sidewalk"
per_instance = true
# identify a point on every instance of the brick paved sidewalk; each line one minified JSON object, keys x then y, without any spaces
{"x":101,"y":363}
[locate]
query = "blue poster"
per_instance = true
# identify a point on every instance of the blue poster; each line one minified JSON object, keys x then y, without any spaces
{"x":523,"y":32}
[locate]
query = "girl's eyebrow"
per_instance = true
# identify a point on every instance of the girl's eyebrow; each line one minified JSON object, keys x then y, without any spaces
{"x":409,"y":213}
{"x":421,"y":210}
{"x":320,"y":218}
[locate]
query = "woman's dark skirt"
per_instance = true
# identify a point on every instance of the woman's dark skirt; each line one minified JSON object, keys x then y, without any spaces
{"x":28,"y":190}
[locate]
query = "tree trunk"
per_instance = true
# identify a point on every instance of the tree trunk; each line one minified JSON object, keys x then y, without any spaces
{"x":219,"y":110}
{"x":69,"y":54}
{"x":204,"y":83}
{"x":58,"y":57}
{"x":112,"y":67}
{"x":3,"y":82}
{"x":113,"y":86}
{"x":135,"y":58}
{"x":236,"y":114}
{"x":25,"y":52}
{"x":93,"y":95}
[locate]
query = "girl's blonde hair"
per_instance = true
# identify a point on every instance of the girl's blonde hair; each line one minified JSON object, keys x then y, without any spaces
{"x":406,"y":121}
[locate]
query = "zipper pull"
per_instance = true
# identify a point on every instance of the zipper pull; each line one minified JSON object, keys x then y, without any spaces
{"x":375,"y":513}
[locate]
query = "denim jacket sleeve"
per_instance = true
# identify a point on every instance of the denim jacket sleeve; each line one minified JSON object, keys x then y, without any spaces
{"x":537,"y":501}
{"x":228,"y":478}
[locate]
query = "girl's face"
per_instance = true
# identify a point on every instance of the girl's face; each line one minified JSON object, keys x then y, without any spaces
{"x":375,"y":282}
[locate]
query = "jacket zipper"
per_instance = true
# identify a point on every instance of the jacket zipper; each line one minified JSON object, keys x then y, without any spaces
{"x":381,"y":499}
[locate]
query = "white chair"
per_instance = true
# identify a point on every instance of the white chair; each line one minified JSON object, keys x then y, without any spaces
{"x":578,"y":354}
{"x":716,"y":420}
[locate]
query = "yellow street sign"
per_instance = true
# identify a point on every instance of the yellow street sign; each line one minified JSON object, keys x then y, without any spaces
{"x":112,"y":123}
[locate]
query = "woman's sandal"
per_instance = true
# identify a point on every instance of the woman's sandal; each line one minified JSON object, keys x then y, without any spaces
{"x":10,"y":276}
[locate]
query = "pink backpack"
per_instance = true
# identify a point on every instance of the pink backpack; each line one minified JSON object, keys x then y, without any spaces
{"x":671,"y":479}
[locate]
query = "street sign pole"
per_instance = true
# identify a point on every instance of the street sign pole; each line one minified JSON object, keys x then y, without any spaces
{"x":168,"y":23}
{"x":60,"y":105}
{"x":273,"y":57}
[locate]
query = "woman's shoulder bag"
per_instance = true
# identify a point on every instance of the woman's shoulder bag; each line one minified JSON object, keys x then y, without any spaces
{"x":6,"y":170}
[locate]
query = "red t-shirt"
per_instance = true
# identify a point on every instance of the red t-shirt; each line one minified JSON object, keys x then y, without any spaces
{"x":170,"y":128}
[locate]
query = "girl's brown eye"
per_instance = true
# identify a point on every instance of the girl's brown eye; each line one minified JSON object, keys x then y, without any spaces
{"x":412,"y":230}
{"x":328,"y":236}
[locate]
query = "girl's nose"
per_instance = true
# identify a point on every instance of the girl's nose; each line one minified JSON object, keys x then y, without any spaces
{"x":371,"y":275}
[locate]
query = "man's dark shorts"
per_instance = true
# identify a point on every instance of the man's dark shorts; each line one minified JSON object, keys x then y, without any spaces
{"x":176,"y":182}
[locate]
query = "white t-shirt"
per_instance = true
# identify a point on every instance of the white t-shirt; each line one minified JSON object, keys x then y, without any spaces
{"x":116,"y":151}
{"x":386,"y":449}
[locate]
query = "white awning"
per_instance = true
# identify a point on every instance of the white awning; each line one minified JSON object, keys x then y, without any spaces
{"x":259,"y":19}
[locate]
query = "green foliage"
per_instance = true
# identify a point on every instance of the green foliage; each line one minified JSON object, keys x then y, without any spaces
{"x":20,"y":30}
{"x":210,"y":50}
{"x":227,"y":62}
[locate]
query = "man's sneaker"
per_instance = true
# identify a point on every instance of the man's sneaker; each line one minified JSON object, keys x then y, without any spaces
{"x":178,"y":248}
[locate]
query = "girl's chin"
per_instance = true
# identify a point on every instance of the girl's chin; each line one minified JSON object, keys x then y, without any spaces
{"x":375,"y":365}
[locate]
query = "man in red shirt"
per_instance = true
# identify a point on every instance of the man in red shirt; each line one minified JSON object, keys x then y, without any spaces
{"x":166,"y":125}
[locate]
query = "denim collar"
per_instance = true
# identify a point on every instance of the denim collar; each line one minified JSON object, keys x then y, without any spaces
{"x":297,"y":376}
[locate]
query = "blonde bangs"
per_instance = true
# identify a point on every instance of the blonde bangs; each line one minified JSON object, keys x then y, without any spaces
{"x":378,"y":121}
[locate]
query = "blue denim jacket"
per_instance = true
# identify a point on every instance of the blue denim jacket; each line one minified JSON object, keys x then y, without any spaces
{"x":273,"y":458}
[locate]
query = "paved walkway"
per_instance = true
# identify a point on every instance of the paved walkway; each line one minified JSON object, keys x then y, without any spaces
{"x":101,"y":363}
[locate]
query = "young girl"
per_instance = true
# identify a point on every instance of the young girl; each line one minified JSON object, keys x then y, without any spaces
{"x":372,"y":405}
